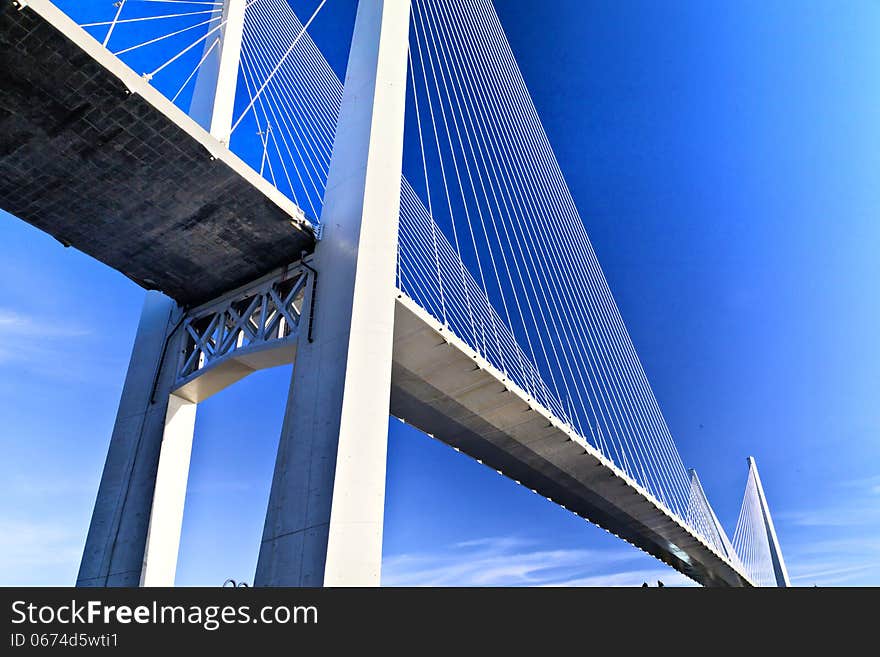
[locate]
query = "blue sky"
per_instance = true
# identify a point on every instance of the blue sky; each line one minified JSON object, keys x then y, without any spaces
{"x":724,"y":158}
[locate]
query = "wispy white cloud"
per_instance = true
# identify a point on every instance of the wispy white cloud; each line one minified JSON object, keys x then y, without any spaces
{"x":42,"y":526}
{"x":842,"y":556}
{"x":632,"y":578}
{"x":830,"y":573}
{"x":861,"y":515}
{"x":17,"y":324}
{"x":47,"y":346}
{"x":868,"y":485}
{"x":843,"y":544}
{"x":38,"y":345}
{"x":514,"y":561}
{"x":38,"y":553}
{"x":59,"y":487}
{"x":860,"y":508}
{"x":839,"y":543}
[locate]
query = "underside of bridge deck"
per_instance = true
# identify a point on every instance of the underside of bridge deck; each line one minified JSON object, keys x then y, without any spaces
{"x":442,"y":387}
{"x":93,"y":155}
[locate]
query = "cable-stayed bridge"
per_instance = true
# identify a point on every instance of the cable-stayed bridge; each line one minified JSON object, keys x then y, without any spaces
{"x":407,"y":239}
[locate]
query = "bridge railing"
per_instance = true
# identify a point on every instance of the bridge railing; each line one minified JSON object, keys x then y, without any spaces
{"x":432,"y":274}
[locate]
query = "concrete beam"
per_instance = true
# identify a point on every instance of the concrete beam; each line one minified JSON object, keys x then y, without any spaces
{"x":227,"y":77}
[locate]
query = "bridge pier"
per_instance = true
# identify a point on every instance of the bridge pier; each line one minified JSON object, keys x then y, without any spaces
{"x":116,"y":545}
{"x":179,"y":359}
{"x":780,"y":572}
{"x":326,"y":507}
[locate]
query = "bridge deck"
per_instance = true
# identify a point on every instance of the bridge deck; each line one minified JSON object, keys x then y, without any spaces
{"x":442,"y":387}
{"x":93,"y":155}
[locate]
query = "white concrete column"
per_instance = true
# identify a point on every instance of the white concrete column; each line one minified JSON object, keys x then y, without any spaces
{"x":227,"y":75}
{"x":324,"y":521}
{"x":213,"y":98}
{"x":114,"y":549}
{"x":169,"y":494}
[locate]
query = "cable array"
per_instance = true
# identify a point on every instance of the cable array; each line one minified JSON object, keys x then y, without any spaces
{"x":492,"y":183}
{"x":490,"y":242}
{"x":293,"y":98}
{"x":166,"y":41}
{"x":701,"y":517}
{"x":751,"y":542}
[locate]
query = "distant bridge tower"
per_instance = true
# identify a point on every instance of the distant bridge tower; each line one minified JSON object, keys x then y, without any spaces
{"x":780,"y":572}
{"x":324,"y":522}
{"x":755,"y":542}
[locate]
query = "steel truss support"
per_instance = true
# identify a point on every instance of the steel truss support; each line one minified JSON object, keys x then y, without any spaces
{"x":253,"y":327}
{"x":179,"y":358}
